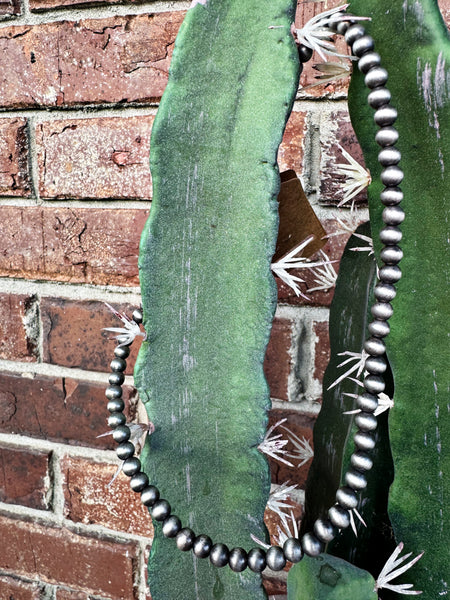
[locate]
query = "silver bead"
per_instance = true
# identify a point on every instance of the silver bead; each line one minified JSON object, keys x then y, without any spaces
{"x":379,"y":328}
{"x":149,"y":495}
{"x":121,"y":434}
{"x":131,"y":466}
{"x":362,"y":45}
{"x":219,"y":555}
{"x":342,"y":27}
{"x":391,"y":255}
{"x":347,"y":498}
{"x":137,"y":315}
{"x":138,"y":482}
{"x":238,"y":560}
{"x":390,"y":236}
{"x":353,"y":33}
{"x":118,"y":364}
{"x":361,"y":461}
{"x":202,"y":546}
{"x":366,"y":421}
{"x":390,"y":274}
{"x":385,"y":116}
{"x":385,"y":292}
{"x":367,"y":402}
{"x":376,"y":77}
{"x":125,"y":451}
{"x":339,"y":516}
{"x":389,"y":156}
{"x":391,"y":196}
{"x":375,"y":347}
{"x":393,"y":215}
{"x":374,"y":384}
{"x":257,"y":560}
{"x":113,"y":391}
{"x":160,"y":510}
{"x":185,"y":539}
{"x":378,"y":97}
{"x":382,"y":311}
{"x":325,"y":530}
{"x":386,"y":136}
{"x":116,"y":378}
{"x":116,"y":420}
{"x":391,"y":176}
{"x":171,"y":526}
{"x":293,"y":550}
{"x":122,"y":352}
{"x":311,"y":545}
{"x":355,"y":480}
{"x":376,"y":365}
{"x":116,"y":405}
{"x":368,"y":61}
{"x":275,"y":558}
{"x":364,"y":440}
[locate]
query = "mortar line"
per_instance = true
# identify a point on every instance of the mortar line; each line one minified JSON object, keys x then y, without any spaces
{"x":71,"y":291}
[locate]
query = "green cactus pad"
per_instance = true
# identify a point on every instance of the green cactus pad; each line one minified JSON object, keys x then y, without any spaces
{"x":207,"y":290}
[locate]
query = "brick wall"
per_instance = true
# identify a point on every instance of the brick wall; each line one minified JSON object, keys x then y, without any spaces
{"x":80,"y":85}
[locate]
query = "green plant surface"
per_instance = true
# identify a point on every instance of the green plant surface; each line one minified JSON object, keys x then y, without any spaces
{"x":334,"y":430}
{"x":329,"y":578}
{"x":413,"y":42}
{"x":207,"y":290}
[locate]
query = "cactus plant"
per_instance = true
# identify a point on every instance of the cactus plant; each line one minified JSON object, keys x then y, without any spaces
{"x":207,"y":292}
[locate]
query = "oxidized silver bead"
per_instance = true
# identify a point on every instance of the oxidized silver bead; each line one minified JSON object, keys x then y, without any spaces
{"x":149,"y":495}
{"x":219,"y":555}
{"x":385,"y":116}
{"x":353,"y":33}
{"x":131,"y":466}
{"x":391,"y":177}
{"x":376,"y":365}
{"x":238,"y":560}
{"x":118,"y":364}
{"x":275,"y":558}
{"x":366,"y":421}
{"x":339,"y":516}
{"x":125,"y":451}
{"x":391,"y":255}
{"x":390,"y":235}
{"x":257,"y":560}
{"x":325,"y":530}
{"x":304,"y":53}
{"x":361,"y":461}
{"x":347,"y":498}
{"x":116,"y":420}
{"x":364,"y":440}
{"x":375,"y":347}
{"x":389,"y":156}
{"x":390,"y":274}
{"x":374,"y":384}
{"x":138,"y":482}
{"x":393,"y":215}
{"x":385,"y":292}
{"x":311,"y":545}
{"x":116,"y":378}
{"x":355,"y":480}
{"x":369,"y":61}
{"x":113,"y":391}
{"x":342,"y":27}
{"x":116,"y":405}
{"x":367,"y":402}
{"x":171,"y":526}
{"x":292,"y":549}
{"x":160,"y":510}
{"x":121,"y":434}
{"x":376,"y":77}
{"x":379,"y":328}
{"x":362,"y":45}
{"x":382,"y":311}
{"x":137,"y":315}
{"x":391,"y":196}
{"x":386,"y":136}
{"x":185,"y":539}
{"x":379,"y":97}
{"x":122,"y":352}
{"x":202,"y":546}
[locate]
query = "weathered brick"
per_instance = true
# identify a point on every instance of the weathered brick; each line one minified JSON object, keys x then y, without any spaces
{"x":61,"y":410}
{"x":9,"y":8}
{"x":73,"y":336}
{"x":92,"y":245}
{"x":18,"y":327}
{"x":65,"y":594}
{"x":12,"y":588}
{"x":95,"y":158}
{"x":56,"y":555}
{"x":66,"y":63}
{"x":89,"y":500}
{"x":24,"y":477}
{"x":290,"y":153}
{"x":277,"y":363}
{"x":14,"y":179}
{"x":444,"y":5}
{"x":321,"y":348}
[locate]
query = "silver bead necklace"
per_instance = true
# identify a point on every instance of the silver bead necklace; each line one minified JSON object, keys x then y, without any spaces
{"x":324,"y":530}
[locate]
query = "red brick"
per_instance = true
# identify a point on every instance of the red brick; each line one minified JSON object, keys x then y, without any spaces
{"x":55,"y":555}
{"x":12,"y":588}
{"x":78,"y":245}
{"x":66,"y":63}
{"x":9,"y":8}
{"x":14,"y":179}
{"x":95,"y":158}
{"x":18,"y":327}
{"x":290,"y":153}
{"x":73,"y":336}
{"x":301,"y":426}
{"x":24,"y":477}
{"x":321,"y":349}
{"x":65,"y":594}
{"x":277,"y":363}
{"x":60,"y":410}
{"x":444,"y":5}
{"x":88,"y":499}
